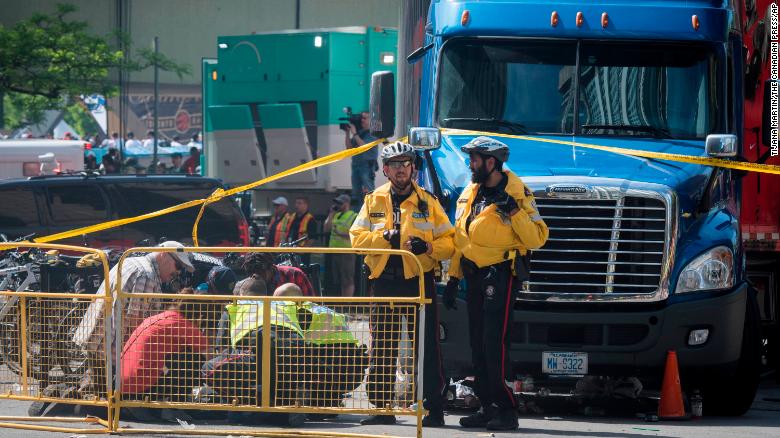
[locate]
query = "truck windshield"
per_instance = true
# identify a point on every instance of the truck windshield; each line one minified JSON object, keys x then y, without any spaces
{"x":643,"y":89}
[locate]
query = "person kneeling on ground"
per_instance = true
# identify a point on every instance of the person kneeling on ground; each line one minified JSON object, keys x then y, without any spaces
{"x":163,"y":356}
{"x":234,"y":375}
{"x":334,"y":361}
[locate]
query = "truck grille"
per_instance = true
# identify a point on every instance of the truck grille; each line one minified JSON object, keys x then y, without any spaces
{"x":600,"y":246}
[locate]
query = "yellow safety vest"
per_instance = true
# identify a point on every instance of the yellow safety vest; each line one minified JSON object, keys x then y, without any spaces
{"x":327,"y":326}
{"x":491,"y":237}
{"x":339,"y":227}
{"x":247,"y":316}
{"x":431,"y":225}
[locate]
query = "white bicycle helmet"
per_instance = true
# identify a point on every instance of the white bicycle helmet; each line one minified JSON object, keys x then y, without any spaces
{"x":487,"y":146}
{"x":397,"y":149}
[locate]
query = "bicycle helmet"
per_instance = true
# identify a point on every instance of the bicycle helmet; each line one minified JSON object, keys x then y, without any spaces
{"x":397,"y":149}
{"x":488,"y":147}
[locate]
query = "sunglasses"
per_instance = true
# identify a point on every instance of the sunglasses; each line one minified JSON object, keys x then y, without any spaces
{"x":399,"y":164}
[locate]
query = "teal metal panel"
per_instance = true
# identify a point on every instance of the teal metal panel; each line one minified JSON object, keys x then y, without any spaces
{"x":347,"y":85}
{"x":281,"y":116}
{"x":289,"y":67}
{"x":208,"y":89}
{"x":382,"y":42}
{"x":230,"y":117}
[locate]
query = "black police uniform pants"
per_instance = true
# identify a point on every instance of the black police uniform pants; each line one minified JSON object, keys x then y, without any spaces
{"x":490,"y":300}
{"x":386,"y":327}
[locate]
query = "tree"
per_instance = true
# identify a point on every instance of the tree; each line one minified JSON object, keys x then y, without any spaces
{"x":49,"y":61}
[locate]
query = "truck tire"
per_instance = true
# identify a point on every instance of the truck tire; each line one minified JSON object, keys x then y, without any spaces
{"x":733,"y":395}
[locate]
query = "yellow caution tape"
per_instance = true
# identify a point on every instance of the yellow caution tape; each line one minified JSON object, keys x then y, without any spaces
{"x":704,"y":161}
{"x":216,"y":196}
{"x":220,"y":193}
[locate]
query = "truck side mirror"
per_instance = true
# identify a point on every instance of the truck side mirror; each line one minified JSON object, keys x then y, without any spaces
{"x":382,"y":104}
{"x":721,"y":145}
{"x":766,"y":117}
{"x":425,"y":139}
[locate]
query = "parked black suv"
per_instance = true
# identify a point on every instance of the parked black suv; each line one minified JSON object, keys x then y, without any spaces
{"x":52,"y":204}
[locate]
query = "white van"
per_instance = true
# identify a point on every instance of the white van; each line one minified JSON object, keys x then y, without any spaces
{"x":29,"y":157}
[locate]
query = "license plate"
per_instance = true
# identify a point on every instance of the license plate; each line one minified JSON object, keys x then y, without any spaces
{"x":559,"y":362}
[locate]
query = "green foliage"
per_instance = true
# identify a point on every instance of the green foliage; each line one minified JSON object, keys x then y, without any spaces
{"x":79,"y":118}
{"x":49,"y":61}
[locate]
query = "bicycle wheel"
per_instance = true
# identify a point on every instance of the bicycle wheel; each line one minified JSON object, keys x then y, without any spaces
{"x":70,"y":358}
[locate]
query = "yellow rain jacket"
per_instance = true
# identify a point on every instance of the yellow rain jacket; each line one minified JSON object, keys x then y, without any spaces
{"x":376,"y":216}
{"x":491,"y":237}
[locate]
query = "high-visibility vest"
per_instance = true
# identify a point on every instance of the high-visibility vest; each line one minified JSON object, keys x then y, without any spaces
{"x":302,"y":225}
{"x":247,"y":316}
{"x":339,"y":232}
{"x":327,"y":326}
{"x":280,"y":229}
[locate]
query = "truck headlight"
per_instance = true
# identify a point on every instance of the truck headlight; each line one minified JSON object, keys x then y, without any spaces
{"x":709,"y":271}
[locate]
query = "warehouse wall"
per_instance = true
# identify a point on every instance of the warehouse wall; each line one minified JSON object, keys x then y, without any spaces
{"x":188,"y":29}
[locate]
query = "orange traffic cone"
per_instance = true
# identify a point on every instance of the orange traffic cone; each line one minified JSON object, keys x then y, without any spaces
{"x":671,"y":407}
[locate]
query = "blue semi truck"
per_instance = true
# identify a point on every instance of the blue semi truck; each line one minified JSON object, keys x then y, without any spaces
{"x":644,"y":255}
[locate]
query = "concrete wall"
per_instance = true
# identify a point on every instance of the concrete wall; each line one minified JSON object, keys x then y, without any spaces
{"x":188,"y":29}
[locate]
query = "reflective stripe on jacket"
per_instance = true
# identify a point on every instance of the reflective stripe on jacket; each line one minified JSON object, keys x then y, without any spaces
{"x":280,"y":229}
{"x":246,"y":316}
{"x":376,"y":216}
{"x":491,"y":236}
{"x":302,"y":226}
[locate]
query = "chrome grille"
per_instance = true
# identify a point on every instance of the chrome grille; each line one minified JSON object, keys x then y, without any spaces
{"x":600,"y":246}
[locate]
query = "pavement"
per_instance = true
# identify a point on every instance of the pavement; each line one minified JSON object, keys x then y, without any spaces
{"x":763,"y":420}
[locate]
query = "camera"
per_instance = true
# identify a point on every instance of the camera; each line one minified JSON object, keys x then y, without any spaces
{"x":350,"y":119}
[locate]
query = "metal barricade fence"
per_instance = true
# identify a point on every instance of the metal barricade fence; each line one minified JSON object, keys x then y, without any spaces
{"x":204,"y":351}
{"x":43,"y":300}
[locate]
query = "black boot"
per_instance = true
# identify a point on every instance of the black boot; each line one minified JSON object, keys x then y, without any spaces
{"x":505,"y":419}
{"x":435,"y":418}
{"x":477,"y":419}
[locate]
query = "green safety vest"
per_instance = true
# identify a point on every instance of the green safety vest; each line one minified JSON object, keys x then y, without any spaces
{"x":327,"y":326}
{"x":247,"y":316}
{"x":341,"y":224}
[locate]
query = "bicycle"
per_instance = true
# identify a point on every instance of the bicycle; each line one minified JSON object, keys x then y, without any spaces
{"x":50,"y":322}
{"x":20,"y":274}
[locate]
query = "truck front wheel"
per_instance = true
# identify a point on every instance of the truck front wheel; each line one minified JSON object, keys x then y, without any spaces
{"x":733,"y":395}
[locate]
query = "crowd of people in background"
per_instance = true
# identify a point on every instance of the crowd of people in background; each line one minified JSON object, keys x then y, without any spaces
{"x":170,"y":161}
{"x":112,"y":162}
{"x":301,"y":228}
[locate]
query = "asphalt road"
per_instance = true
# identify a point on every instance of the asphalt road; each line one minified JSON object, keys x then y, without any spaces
{"x":763,"y":420}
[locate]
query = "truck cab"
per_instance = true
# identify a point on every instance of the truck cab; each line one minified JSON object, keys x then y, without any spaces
{"x":644,"y":255}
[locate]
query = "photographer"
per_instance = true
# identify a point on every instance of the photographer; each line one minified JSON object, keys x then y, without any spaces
{"x":363,"y":165}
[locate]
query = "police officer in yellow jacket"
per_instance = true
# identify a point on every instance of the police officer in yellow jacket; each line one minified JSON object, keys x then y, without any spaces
{"x":401,"y":215}
{"x":496,"y":223}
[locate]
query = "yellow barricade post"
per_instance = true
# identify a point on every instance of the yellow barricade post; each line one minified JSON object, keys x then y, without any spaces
{"x":45,"y":290}
{"x":279,"y":356}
